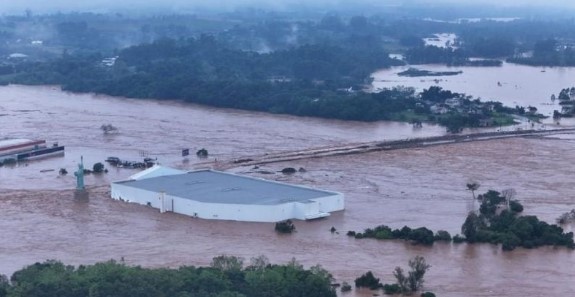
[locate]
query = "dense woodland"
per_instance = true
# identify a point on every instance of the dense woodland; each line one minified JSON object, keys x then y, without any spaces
{"x":297,"y":63}
{"x":226,"y":277}
{"x":499,"y":224}
{"x":312,"y":80}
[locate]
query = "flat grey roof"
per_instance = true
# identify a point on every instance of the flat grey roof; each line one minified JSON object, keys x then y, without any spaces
{"x":220,"y":187}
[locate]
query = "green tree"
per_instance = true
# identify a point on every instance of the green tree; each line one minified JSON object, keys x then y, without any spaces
{"x":401,"y":279}
{"x":286,"y":226}
{"x":473,"y":186}
{"x":442,"y":235}
{"x":418,"y":267}
{"x":413,"y":281}
{"x":4,"y":285}
{"x":98,"y":168}
{"x":227,"y":263}
{"x":470,"y":227}
{"x":367,"y":280}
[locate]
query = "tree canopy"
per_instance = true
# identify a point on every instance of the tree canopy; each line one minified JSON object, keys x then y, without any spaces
{"x":225,"y":278}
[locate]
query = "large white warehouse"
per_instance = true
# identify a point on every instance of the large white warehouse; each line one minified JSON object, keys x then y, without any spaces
{"x":218,"y":195}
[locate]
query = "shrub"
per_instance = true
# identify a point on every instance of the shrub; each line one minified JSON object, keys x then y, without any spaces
{"x":391,"y":289}
{"x":418,"y":267}
{"x":289,"y":170}
{"x":404,"y":232}
{"x":566,"y":217}
{"x":383,"y":235}
{"x":285,"y":227}
{"x":98,"y":168}
{"x":427,"y":294}
{"x":422,"y":235}
{"x":442,"y":235}
{"x":345,"y":287}
{"x":367,"y":280}
{"x":202,"y":153}
{"x":458,"y":239}
{"x":515,"y":206}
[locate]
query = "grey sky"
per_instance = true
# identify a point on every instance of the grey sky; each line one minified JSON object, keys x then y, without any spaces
{"x":17,"y":6}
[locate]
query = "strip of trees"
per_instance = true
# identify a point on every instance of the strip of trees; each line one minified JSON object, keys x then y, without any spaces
{"x":225,"y":277}
{"x":497,"y":222}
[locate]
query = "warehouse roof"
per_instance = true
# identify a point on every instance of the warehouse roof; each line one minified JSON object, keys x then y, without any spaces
{"x":155,"y":171}
{"x":220,"y":187}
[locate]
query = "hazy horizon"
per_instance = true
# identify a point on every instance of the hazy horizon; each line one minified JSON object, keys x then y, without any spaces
{"x":39,"y":6}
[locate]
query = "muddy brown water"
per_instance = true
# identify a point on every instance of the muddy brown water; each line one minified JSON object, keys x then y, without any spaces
{"x":510,"y":84}
{"x":40,"y":219}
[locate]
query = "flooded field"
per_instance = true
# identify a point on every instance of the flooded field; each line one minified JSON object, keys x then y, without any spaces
{"x":415,"y":187}
{"x":511,"y":84}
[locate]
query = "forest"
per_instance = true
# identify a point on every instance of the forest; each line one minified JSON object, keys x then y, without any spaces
{"x":297,"y":63}
{"x":313,"y":80}
{"x":225,"y":277}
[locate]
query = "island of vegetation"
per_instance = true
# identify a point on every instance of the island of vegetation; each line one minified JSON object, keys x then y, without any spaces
{"x":414,"y":72}
{"x":498,"y":222}
{"x":566,"y":99}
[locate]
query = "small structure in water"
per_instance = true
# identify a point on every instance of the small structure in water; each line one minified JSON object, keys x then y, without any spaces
{"x":17,"y":150}
{"x":80,"y":193}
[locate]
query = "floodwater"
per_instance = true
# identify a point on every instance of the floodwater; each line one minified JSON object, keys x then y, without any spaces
{"x":161,"y":130}
{"x":441,"y":40}
{"x":511,"y":84}
{"x":416,"y":187}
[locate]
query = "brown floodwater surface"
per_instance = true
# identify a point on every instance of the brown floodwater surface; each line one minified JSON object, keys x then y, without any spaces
{"x":40,"y":219}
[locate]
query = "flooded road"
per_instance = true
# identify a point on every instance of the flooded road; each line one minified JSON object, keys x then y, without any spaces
{"x":415,"y":187}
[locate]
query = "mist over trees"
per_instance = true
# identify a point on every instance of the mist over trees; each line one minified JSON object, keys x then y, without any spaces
{"x":298,"y":62}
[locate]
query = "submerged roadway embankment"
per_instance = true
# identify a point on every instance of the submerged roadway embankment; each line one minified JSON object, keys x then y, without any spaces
{"x":359,"y":148}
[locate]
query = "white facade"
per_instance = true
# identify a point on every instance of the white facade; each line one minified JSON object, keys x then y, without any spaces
{"x":249,"y":212}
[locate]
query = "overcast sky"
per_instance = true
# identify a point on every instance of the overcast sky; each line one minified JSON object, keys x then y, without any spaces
{"x":41,"y":6}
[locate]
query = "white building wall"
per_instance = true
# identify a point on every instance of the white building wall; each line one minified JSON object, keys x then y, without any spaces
{"x":331,"y":203}
{"x":135,"y":195}
{"x":235,"y":212}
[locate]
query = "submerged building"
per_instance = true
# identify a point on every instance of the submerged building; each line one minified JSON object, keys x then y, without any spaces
{"x":25,"y":149}
{"x":216,"y":195}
